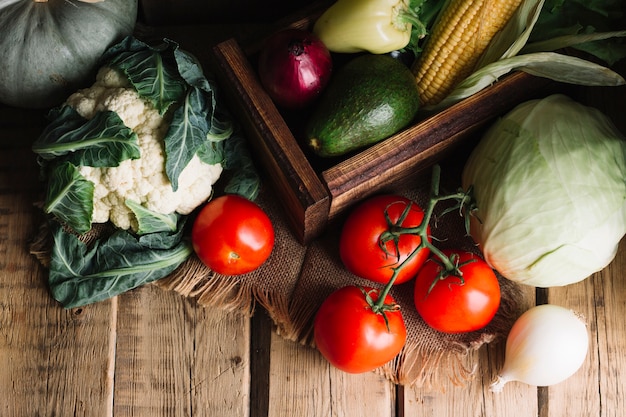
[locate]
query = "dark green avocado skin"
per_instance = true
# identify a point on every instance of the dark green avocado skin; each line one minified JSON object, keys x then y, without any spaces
{"x":369,"y":99}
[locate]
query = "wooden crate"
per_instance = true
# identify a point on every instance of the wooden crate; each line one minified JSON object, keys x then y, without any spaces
{"x":313,"y":192}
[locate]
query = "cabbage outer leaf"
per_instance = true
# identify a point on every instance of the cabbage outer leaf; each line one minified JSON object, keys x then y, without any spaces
{"x":549,"y":181}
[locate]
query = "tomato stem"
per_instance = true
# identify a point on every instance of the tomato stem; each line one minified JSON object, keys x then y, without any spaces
{"x":464,"y":204}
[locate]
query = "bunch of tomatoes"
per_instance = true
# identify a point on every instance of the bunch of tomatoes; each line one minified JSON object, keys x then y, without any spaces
{"x":386,"y":240}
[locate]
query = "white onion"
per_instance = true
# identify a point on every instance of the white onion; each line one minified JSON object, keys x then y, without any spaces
{"x":546,"y":345}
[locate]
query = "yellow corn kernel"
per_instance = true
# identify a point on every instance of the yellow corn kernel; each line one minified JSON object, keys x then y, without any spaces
{"x":459,"y":37}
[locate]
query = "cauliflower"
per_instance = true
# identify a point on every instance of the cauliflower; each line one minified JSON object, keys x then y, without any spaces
{"x":142,"y":180}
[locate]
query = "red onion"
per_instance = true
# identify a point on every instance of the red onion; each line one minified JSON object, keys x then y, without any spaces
{"x":294,"y":67}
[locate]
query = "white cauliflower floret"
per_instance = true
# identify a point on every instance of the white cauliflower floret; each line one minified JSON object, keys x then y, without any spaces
{"x":142,"y":180}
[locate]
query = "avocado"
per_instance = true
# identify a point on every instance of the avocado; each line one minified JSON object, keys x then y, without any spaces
{"x":369,"y":99}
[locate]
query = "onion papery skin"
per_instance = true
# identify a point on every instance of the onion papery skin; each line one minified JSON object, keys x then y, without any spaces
{"x":294,"y":68}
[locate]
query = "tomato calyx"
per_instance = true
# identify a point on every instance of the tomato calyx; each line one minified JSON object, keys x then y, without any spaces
{"x":447,"y":272}
{"x":379,"y":306}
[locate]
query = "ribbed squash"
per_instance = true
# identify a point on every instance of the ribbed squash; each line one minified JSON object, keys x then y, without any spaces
{"x":459,"y":37}
{"x":50,"y":47}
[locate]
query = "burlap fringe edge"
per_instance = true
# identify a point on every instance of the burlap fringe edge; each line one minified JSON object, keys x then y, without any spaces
{"x":230,"y":293}
{"x":193,"y":279}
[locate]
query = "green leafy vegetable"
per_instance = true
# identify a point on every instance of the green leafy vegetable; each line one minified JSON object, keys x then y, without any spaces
{"x":150,"y":70}
{"x":583,"y":42}
{"x":80,"y":275}
{"x":186,"y":134}
{"x":245,"y":180}
{"x":166,"y":76}
{"x":189,"y":131}
{"x":151,"y":221}
{"x":191,"y":70}
{"x":73,"y":148}
{"x":212,"y":152}
{"x":70,"y":197}
{"x":549,"y":184}
{"x":427,"y":11}
{"x":103,"y":141}
{"x":198,"y":125}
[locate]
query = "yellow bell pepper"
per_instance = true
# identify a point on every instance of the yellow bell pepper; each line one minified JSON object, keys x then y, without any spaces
{"x":375,"y":26}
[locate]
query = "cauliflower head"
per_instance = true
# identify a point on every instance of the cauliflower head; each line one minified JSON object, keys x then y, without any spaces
{"x":142,"y":180}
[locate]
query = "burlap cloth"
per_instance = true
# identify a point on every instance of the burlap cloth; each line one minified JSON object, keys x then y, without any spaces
{"x":296,"y":279}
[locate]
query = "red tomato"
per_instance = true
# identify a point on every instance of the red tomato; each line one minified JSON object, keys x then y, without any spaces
{"x":351,"y":336}
{"x":232,"y":235}
{"x":453,"y":304}
{"x":360,"y":246}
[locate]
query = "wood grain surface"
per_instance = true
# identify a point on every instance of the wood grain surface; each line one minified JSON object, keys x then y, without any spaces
{"x":152,"y":353}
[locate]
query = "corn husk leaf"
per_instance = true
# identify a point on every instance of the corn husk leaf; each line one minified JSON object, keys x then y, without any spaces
{"x":558,"y":67}
{"x":567,"y":41}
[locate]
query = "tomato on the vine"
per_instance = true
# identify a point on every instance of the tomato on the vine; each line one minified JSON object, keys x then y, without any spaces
{"x":352,"y":336}
{"x":371,"y":244}
{"x":232,"y":235}
{"x":457,"y":304}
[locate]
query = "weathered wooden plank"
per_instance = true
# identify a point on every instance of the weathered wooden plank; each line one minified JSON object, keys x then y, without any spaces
{"x":175,"y":358}
{"x":221,"y":369}
{"x":449,"y":400}
{"x":53,"y":361}
{"x":303,"y":383}
{"x":577,"y":395}
{"x":299,"y":381}
{"x":611,"y":330}
{"x":358,"y":395}
{"x":601,"y":299}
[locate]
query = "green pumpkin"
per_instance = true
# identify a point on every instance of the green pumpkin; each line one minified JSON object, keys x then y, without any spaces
{"x":49,"y":49}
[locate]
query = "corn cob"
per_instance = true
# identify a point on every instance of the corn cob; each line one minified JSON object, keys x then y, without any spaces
{"x":459,"y":37}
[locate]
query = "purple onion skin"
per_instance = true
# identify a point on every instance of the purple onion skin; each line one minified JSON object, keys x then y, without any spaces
{"x":294,"y":68}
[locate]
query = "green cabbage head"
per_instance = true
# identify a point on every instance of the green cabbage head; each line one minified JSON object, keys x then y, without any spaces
{"x":549,"y":180}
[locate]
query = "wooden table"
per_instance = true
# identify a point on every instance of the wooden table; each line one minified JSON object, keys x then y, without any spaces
{"x":152,"y":352}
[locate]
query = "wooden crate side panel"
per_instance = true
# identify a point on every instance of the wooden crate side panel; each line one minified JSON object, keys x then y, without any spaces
{"x":416,"y":148}
{"x":304,"y":197}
